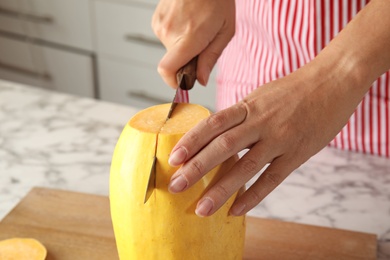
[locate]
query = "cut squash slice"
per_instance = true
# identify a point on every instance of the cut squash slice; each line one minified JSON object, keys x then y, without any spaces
{"x":166,"y":226}
{"x":22,"y":249}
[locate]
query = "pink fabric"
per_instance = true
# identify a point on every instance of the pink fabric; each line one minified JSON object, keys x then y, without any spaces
{"x":275,"y":37}
{"x":182,"y":96}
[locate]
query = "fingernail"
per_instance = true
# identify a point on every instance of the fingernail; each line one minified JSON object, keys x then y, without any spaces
{"x":177,"y":157}
{"x":204,"y":207}
{"x":237,"y":210}
{"x":178,"y":184}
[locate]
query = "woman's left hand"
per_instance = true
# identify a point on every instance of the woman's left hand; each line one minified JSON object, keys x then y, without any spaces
{"x":282,"y":123}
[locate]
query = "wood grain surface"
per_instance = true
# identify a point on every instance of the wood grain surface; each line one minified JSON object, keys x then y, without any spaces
{"x":76,"y":226}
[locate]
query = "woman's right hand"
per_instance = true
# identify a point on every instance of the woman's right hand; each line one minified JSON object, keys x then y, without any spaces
{"x":188,"y":28}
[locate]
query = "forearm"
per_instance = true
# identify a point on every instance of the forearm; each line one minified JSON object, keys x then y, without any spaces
{"x":362,"y":49}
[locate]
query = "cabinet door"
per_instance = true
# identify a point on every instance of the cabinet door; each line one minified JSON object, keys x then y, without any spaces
{"x":65,"y":22}
{"x":10,"y":20}
{"x":141,"y":86}
{"x":124,"y":31}
{"x":46,"y":67}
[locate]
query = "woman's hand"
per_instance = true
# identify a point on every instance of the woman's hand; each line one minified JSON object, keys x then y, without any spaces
{"x":285,"y":122}
{"x":188,"y":28}
{"x":282,"y":123}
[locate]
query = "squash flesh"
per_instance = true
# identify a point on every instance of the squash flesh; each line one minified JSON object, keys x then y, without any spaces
{"x":22,"y":249}
{"x":166,"y":227}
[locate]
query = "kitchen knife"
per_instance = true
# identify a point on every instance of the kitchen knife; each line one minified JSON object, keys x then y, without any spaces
{"x":186,"y":78}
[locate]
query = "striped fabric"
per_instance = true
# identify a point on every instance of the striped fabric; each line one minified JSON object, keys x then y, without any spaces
{"x":275,"y":37}
{"x":182,"y":96}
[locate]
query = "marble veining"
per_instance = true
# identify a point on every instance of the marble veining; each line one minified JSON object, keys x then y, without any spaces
{"x":55,"y":140}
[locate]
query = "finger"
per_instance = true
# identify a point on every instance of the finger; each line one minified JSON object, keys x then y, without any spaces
{"x":198,"y":137}
{"x":216,"y":152}
{"x":247,"y":167}
{"x":266,"y":183}
{"x":208,"y":57}
{"x":179,"y":54}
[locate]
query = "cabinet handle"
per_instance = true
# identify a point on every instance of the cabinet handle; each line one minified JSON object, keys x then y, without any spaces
{"x":146,"y":97}
{"x":29,"y":73}
{"x":46,"y":19}
{"x":143,"y":39}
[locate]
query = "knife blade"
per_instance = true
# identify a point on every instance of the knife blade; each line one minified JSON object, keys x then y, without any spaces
{"x":151,"y":181}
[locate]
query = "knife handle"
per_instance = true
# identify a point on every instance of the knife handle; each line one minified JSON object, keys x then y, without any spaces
{"x":186,"y":76}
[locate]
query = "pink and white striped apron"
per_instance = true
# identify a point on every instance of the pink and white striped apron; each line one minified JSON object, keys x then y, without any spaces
{"x":275,"y":37}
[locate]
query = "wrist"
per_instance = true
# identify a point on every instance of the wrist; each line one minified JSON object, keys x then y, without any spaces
{"x":346,"y":68}
{"x":337,"y":73}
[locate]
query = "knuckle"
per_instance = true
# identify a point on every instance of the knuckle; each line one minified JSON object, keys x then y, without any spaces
{"x":241,"y":109}
{"x":197,"y":168}
{"x":216,"y":121}
{"x":226,"y":142}
{"x":222,"y":192}
{"x":157,"y":31}
{"x":249,"y":165}
{"x":213,"y":56}
{"x":162,"y":30}
{"x":273,"y":178}
{"x":192,"y":138}
{"x":157,"y":26}
{"x":162,"y":70}
{"x":253,"y":196}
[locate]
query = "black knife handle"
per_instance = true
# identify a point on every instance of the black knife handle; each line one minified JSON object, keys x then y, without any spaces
{"x":186,"y":76}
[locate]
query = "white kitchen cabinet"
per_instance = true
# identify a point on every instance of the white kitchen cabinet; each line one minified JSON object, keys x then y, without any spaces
{"x":48,"y":43}
{"x":46,"y":67}
{"x":131,"y":83}
{"x":9,"y":16}
{"x":64,"y":22}
{"x":124,"y":31}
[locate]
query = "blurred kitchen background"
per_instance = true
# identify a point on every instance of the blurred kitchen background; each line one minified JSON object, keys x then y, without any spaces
{"x":103,"y":49}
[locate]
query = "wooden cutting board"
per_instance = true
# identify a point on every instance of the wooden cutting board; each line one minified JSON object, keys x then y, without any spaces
{"x":76,"y":226}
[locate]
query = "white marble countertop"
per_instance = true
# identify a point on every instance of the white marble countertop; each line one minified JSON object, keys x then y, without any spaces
{"x":60,"y":141}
